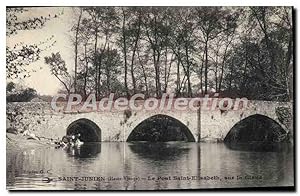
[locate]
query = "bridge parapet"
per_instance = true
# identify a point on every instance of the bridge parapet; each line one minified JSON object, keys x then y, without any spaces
{"x":117,"y":125}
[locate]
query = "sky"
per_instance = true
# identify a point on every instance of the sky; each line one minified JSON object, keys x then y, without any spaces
{"x":42,"y":80}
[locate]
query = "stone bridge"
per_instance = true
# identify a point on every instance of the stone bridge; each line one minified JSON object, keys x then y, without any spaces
{"x":38,"y":117}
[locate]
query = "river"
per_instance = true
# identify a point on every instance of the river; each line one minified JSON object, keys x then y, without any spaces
{"x":136,"y":166}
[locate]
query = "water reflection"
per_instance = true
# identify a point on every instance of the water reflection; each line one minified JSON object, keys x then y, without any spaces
{"x":148,"y":159}
{"x":260,"y":146}
{"x":159,"y":150}
{"x":87,"y":150}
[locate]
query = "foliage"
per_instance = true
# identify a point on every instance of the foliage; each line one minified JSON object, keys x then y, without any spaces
{"x":58,"y":69}
{"x":21,"y":55}
{"x":190,"y":51}
{"x":19,"y":94}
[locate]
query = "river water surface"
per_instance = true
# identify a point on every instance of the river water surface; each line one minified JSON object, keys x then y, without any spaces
{"x":136,"y":166}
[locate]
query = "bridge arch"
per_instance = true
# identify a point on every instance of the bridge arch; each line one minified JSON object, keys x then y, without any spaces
{"x":161,"y":128}
{"x":256,"y":129}
{"x":89,"y":131}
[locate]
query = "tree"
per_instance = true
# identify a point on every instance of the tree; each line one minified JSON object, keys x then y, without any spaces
{"x":124,"y":47}
{"x":158,"y":50}
{"x":184,"y":45}
{"x":59,"y":70}
{"x":21,"y":55}
{"x":76,"y":28}
{"x":17,"y":93}
{"x":102,"y":21}
{"x":129,"y":37}
{"x":10,"y":87}
{"x":275,"y":26}
{"x":155,"y":30}
{"x":212,"y":21}
{"x":111,"y":69}
{"x":260,"y":65}
{"x":18,"y":57}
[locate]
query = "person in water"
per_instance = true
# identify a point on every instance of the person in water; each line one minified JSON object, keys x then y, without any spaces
{"x":76,"y":139}
{"x":70,"y":140}
{"x":66,"y":140}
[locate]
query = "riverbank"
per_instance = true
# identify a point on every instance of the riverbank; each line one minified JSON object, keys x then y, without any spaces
{"x":19,"y":142}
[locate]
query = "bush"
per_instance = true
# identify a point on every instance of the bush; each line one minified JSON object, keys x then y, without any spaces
{"x":19,"y":95}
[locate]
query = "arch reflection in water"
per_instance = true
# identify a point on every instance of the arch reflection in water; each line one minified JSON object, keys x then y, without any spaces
{"x":87,"y":150}
{"x":257,"y":133}
{"x":161,"y":128}
{"x":159,"y":150}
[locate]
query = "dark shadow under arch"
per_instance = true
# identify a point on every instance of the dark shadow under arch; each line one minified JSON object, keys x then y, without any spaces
{"x":89,"y":131}
{"x":256,"y":132}
{"x":161,"y":128}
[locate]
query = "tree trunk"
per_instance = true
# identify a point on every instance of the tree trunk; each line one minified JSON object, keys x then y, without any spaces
{"x":157,"y":71}
{"x":206,"y":67}
{"x":168,"y":73}
{"x":178,"y":78}
{"x":95,"y":62}
{"x":201,"y":73}
{"x":144,"y":75}
{"x":156,"y":59}
{"x":223,"y":65}
{"x":100,"y":63}
{"x":188,"y":71}
{"x":133,"y":55}
{"x":166,"y":70}
{"x":108,"y":74}
{"x":65,"y":85}
{"x":125,"y":54}
{"x":86,"y":72}
{"x":76,"y":50}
